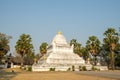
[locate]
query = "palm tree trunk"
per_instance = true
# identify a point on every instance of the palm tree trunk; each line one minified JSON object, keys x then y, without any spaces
{"x":112,"y":55}
{"x":95,"y":60}
{"x":112,"y":60}
{"x":21,"y":61}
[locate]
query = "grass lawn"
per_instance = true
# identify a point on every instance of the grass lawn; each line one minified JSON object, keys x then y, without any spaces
{"x":7,"y":74}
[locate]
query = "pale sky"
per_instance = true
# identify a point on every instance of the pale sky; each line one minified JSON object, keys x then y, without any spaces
{"x":42,"y":19}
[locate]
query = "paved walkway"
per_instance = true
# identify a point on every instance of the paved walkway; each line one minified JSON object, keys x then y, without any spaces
{"x":107,"y":74}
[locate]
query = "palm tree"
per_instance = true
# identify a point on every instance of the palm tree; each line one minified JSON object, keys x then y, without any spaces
{"x":77,"y":47}
{"x":4,"y":47}
{"x":110,"y":41}
{"x":43,"y":48}
{"x":24,"y":46}
{"x":85,"y":53}
{"x":93,"y":46}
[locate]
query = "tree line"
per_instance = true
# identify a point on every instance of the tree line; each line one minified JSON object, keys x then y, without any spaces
{"x":108,"y":50}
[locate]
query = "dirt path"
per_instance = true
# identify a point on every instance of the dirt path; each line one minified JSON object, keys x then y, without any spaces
{"x":108,"y":74}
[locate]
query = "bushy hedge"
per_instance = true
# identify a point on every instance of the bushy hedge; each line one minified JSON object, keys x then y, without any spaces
{"x":84,"y":68}
{"x":95,"y":69}
{"x":29,"y":68}
{"x":69,"y":69}
{"x":52,"y":69}
{"x":73,"y":68}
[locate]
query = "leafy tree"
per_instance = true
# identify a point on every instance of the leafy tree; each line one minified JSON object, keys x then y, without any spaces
{"x":37,"y":57}
{"x":77,"y":46}
{"x":24,"y":46}
{"x":85,"y":53}
{"x":117,"y":51}
{"x":4,"y":45}
{"x":43,"y":48}
{"x":111,"y":42}
{"x":93,"y":46}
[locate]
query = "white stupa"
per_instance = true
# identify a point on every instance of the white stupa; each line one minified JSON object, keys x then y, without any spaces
{"x":59,"y":55}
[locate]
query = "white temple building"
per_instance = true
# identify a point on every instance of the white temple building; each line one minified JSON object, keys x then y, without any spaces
{"x":59,"y":55}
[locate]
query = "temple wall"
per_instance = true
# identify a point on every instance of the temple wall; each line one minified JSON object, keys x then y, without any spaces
{"x":62,"y":49}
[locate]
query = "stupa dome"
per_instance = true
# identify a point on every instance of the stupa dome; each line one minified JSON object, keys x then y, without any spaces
{"x":59,"y":39}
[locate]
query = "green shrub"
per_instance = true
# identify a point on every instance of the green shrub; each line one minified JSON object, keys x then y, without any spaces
{"x":52,"y":69}
{"x":29,"y":68}
{"x":73,"y":68}
{"x":94,"y":69}
{"x":68,"y":69}
{"x":84,"y":68}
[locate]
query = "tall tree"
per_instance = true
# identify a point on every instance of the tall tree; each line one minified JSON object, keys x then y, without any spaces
{"x":85,"y":53}
{"x":93,"y":45}
{"x":77,"y":47}
{"x":37,"y":57}
{"x":4,"y":44}
{"x":117,"y":57}
{"x":24,"y":46}
{"x":111,"y":40}
{"x":43,"y":48}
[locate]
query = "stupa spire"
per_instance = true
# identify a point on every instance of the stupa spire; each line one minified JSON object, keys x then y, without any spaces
{"x":59,"y":32}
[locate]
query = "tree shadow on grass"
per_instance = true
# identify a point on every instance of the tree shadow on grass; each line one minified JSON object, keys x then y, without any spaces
{"x":7,"y":75}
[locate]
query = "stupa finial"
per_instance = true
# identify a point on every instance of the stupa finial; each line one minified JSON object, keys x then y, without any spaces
{"x":59,"y":32}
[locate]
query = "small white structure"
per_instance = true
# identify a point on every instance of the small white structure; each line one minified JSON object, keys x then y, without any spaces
{"x":60,"y":56}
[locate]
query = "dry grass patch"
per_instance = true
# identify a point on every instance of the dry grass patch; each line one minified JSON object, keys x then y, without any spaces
{"x":55,"y":76}
{"x":18,"y":74}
